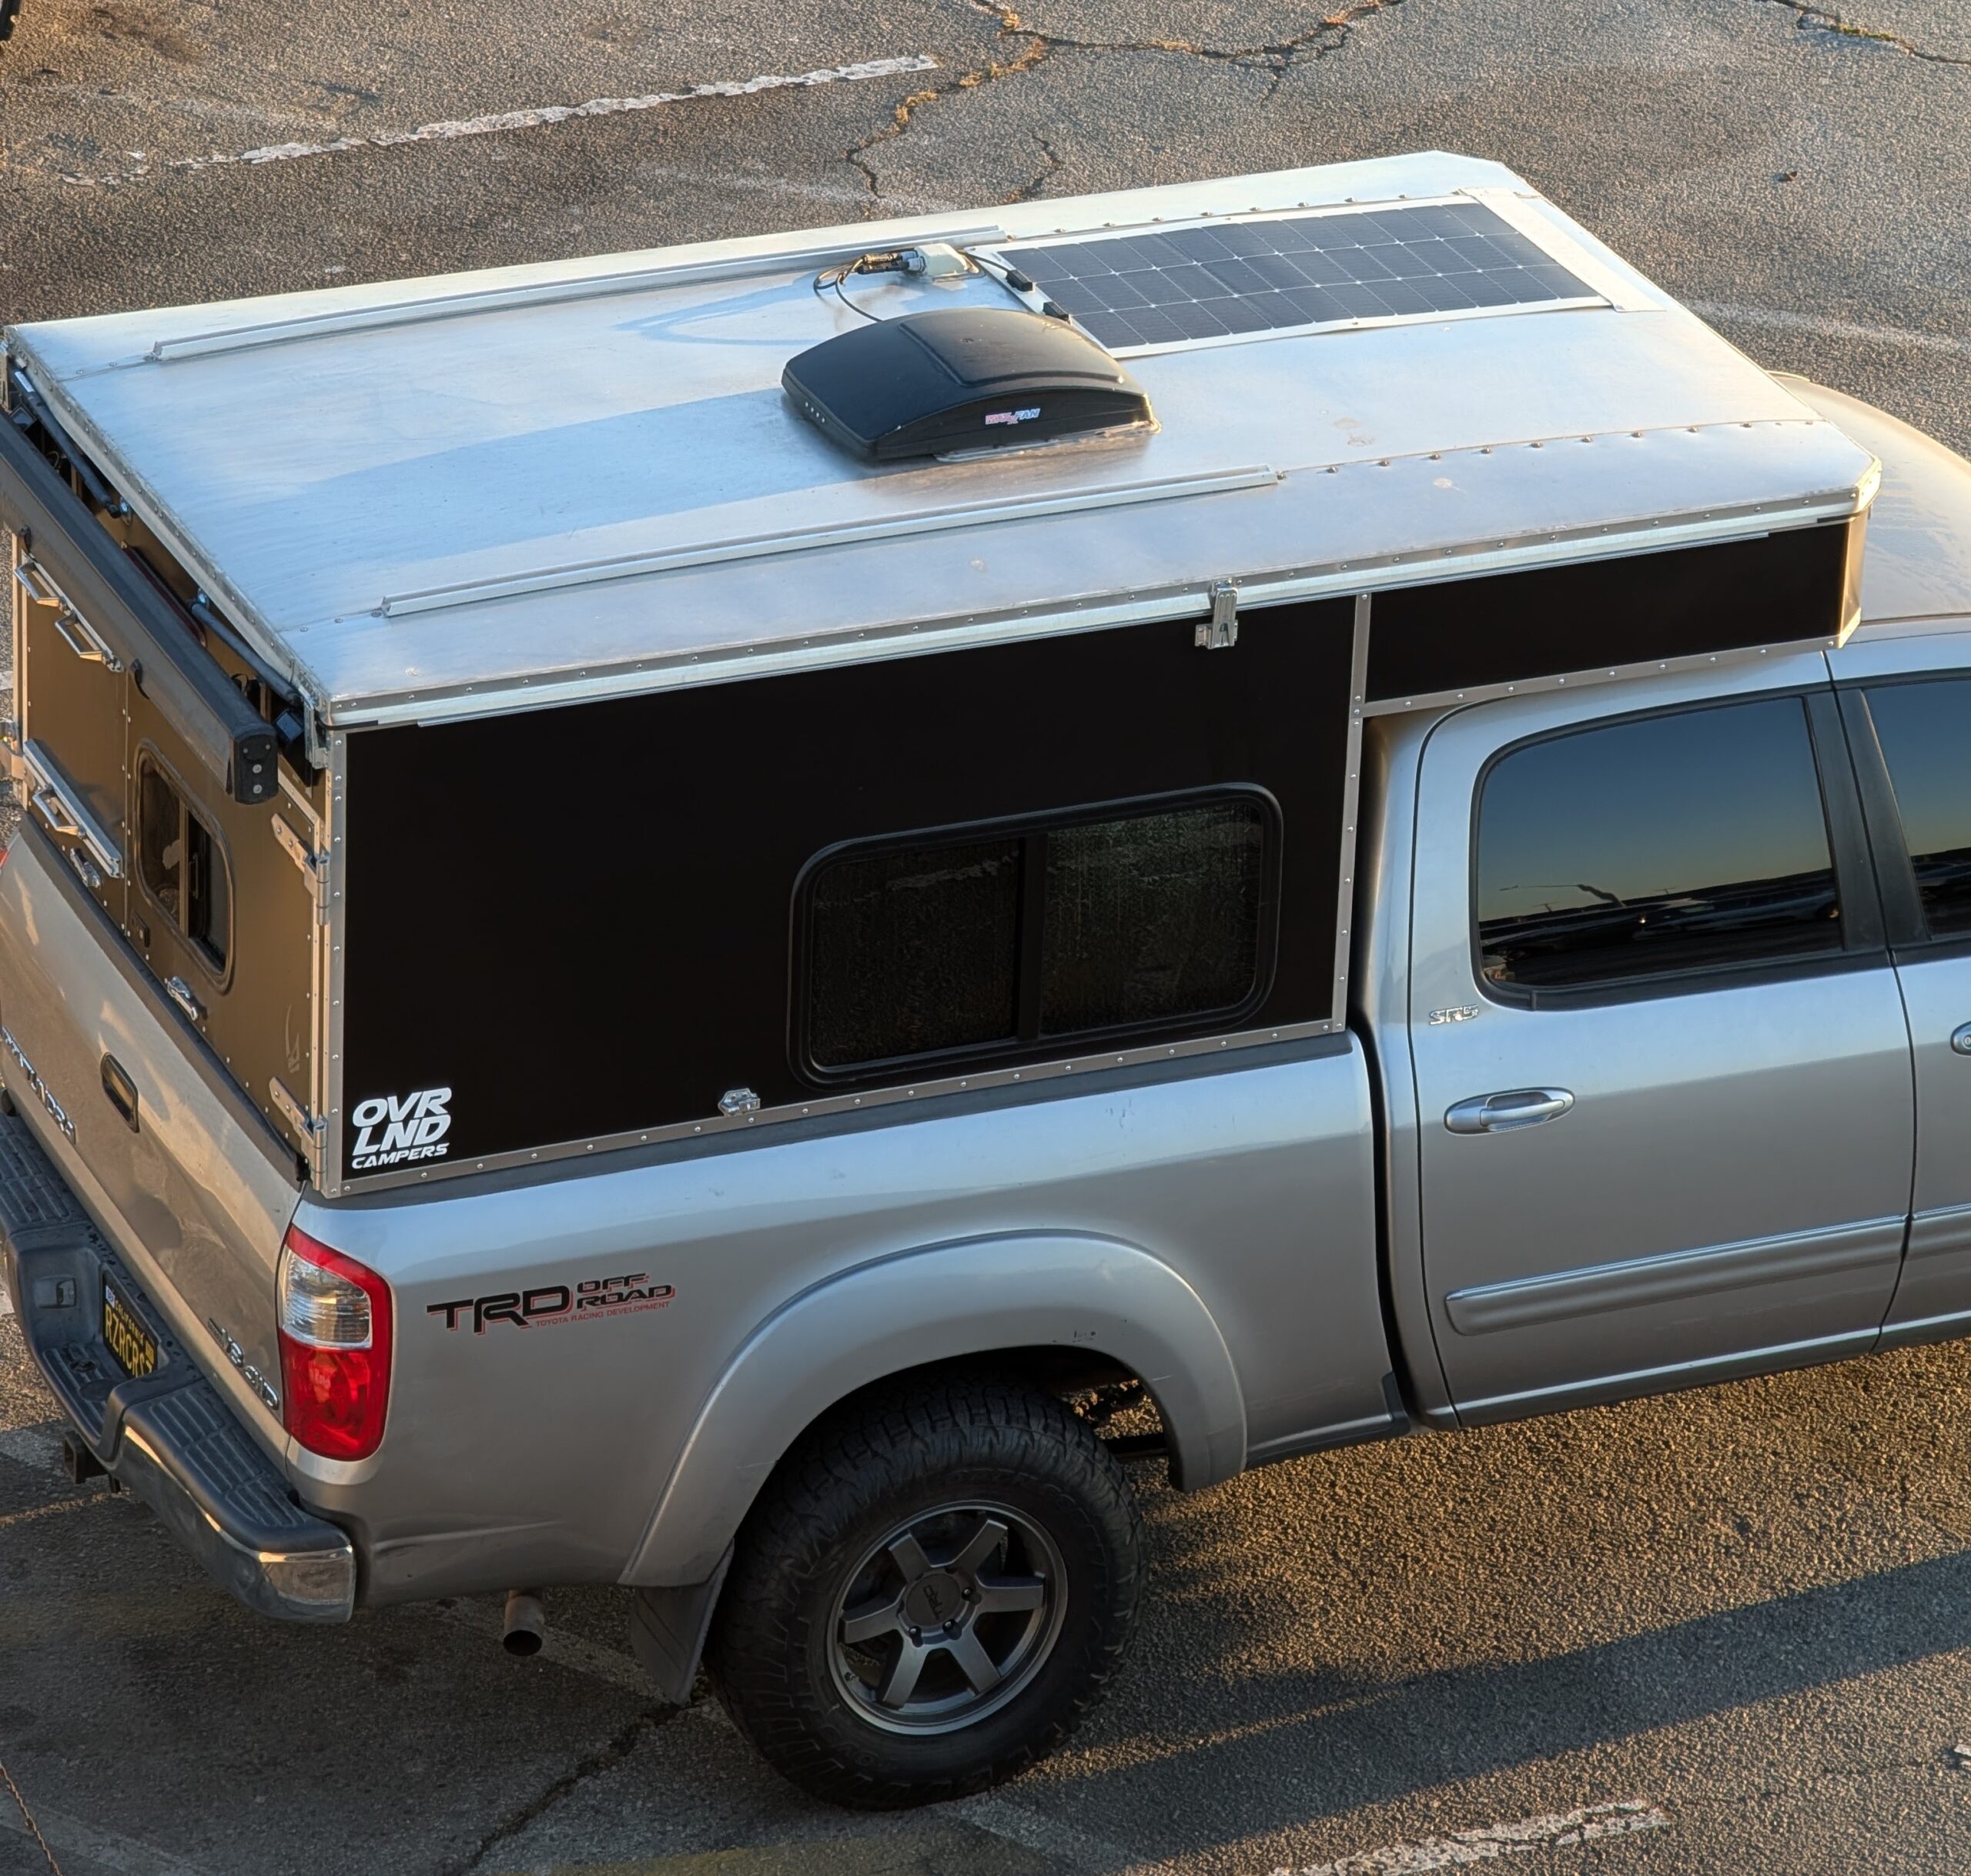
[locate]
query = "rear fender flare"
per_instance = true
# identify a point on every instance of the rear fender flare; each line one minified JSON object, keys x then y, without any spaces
{"x":934,"y":1305}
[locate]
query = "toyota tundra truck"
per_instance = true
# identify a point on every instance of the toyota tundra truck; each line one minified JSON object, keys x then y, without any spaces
{"x":739,"y":920}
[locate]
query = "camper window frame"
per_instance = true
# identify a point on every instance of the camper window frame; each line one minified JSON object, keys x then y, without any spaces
{"x":220,"y":972}
{"x":1031,"y":831}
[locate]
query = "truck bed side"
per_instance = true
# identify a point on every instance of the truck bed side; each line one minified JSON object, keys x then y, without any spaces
{"x":554,"y":1429}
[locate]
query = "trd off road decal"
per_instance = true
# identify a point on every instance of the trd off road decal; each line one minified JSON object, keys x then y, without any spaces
{"x":392,"y":1129}
{"x":590,"y":1299}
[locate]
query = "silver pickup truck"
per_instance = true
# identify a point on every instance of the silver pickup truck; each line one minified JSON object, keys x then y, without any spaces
{"x":733,"y":920}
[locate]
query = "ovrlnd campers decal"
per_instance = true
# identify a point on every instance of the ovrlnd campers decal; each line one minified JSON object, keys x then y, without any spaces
{"x":589,"y":1300}
{"x":391,"y":1130}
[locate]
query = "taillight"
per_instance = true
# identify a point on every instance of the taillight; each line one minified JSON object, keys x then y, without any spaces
{"x":335,"y":1349}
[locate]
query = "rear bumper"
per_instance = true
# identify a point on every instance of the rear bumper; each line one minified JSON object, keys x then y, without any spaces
{"x":169,"y":1437}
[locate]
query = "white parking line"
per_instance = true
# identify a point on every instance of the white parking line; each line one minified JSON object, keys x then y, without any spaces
{"x":9,"y":1520}
{"x":38,"y":1447}
{"x":1559,"y":1831}
{"x":1033,"y":1829}
{"x":71,"y":1837}
{"x":1775,"y":321}
{"x":535,"y":117}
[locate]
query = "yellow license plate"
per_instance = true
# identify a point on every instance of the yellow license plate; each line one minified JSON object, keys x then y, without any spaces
{"x":130,"y":1342}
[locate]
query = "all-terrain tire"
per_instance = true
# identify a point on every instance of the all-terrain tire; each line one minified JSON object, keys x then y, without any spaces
{"x":970,"y":1458}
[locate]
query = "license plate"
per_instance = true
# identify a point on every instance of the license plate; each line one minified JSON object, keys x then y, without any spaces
{"x":130,"y":1342}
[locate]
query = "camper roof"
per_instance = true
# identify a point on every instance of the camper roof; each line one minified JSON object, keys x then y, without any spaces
{"x":441,"y":497}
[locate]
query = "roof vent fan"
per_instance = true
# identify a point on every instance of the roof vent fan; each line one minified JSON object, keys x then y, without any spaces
{"x":962,"y":379}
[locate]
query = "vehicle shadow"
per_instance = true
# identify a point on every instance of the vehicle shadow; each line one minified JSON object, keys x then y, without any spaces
{"x":1299,"y":1745}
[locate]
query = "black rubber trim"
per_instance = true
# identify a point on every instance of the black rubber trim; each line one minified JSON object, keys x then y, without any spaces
{"x":667,"y":1630}
{"x":196,"y":696}
{"x":217,"y":1077}
{"x":1902,"y":905}
{"x":1855,"y":872}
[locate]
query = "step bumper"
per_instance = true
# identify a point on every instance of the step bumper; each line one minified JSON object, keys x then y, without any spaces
{"x":167,"y":1436}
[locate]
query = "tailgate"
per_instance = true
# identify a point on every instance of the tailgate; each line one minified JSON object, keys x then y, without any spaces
{"x":192,"y":1184}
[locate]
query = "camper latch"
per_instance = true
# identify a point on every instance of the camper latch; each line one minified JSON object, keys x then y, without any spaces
{"x":304,"y":1123}
{"x":314,"y":866}
{"x":1220,"y":632}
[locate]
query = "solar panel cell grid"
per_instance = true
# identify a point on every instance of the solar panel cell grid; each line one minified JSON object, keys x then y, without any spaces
{"x":1176,"y":284}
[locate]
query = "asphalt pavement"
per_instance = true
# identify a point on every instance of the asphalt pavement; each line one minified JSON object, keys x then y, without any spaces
{"x":1727,"y":1632}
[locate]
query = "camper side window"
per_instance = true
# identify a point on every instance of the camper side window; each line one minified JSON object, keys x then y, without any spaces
{"x":183,"y":866}
{"x":998,"y":940}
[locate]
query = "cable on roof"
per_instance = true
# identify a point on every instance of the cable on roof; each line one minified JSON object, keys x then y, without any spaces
{"x":935,"y":260}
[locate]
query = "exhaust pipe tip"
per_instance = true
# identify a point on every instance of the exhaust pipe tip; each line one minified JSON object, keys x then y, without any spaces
{"x":526,"y":1626}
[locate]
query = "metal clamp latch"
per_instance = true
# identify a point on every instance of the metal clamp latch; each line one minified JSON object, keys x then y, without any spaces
{"x":1220,"y":632}
{"x":314,"y":865}
{"x":91,"y":647}
{"x":739,"y":1101}
{"x":309,"y":1126}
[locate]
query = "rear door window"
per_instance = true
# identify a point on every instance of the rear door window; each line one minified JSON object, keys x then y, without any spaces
{"x":1696,"y":841}
{"x":182,"y":866}
{"x":1922,"y":729}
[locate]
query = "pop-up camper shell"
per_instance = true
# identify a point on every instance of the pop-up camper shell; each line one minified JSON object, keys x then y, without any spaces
{"x":494,"y":715}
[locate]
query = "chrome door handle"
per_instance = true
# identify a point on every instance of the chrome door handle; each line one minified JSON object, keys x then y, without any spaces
{"x":180,"y":993}
{"x":1960,"y":1038}
{"x":1523,"y":1107}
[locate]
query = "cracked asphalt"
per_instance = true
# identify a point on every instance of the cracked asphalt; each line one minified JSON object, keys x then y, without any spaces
{"x":1746,"y":1613}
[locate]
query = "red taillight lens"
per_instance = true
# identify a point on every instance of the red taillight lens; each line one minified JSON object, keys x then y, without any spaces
{"x":335,"y":1349}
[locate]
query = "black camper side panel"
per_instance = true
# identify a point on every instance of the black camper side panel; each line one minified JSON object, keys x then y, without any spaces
{"x":598,"y":919}
{"x":1428,"y":641}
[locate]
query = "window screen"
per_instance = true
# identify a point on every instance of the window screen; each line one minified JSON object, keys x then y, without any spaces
{"x":1151,"y":917}
{"x":1678,"y":843}
{"x":914,"y":951}
{"x":182,"y":866}
{"x":995,"y":943}
{"x":1921,"y":729}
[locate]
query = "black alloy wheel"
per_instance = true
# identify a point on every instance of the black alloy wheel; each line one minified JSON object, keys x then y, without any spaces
{"x":948,"y":1617}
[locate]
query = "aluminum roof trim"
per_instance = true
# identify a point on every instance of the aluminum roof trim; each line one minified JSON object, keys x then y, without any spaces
{"x":796,"y":623}
{"x":626,"y":411}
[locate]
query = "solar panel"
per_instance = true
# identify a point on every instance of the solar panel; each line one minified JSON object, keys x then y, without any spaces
{"x":1179,"y":286}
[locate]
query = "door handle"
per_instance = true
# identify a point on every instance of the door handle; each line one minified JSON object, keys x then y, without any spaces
{"x":1523,"y":1107}
{"x":122,"y":1091}
{"x":1960,"y":1038}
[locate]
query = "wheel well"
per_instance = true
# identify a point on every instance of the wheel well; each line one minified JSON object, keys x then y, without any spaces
{"x":1100,"y":1386}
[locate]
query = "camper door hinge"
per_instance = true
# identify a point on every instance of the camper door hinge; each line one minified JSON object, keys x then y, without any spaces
{"x":304,"y":1123}
{"x":314,"y":866}
{"x":1220,"y":632}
